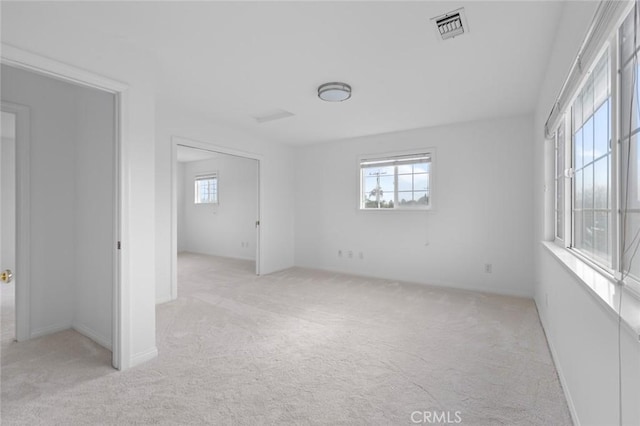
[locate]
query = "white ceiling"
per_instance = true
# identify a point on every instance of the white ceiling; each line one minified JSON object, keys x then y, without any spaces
{"x":232,"y":61}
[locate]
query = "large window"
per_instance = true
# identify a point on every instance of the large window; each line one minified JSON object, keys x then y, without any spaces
{"x":591,"y":148}
{"x":602,"y":172}
{"x":396,"y":182}
{"x":629,"y":154}
{"x":206,"y":189}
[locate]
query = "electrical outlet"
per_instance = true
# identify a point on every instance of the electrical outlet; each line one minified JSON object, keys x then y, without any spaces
{"x":361,"y":256}
{"x":339,"y":253}
{"x":350,"y":254}
{"x":488,"y":268}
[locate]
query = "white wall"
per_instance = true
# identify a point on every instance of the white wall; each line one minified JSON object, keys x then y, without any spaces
{"x":94,"y":214}
{"x":482,"y":213}
{"x":276,"y":180}
{"x":227,"y":228}
{"x":71,"y":194}
{"x":582,"y":333}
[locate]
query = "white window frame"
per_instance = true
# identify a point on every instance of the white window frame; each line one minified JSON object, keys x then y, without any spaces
{"x":431,"y":152}
{"x":202,"y":177}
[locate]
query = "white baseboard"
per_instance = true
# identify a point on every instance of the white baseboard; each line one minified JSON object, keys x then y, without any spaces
{"x":501,"y":291}
{"x":142,"y":357}
{"x":50,"y":329}
{"x":554,"y":357}
{"x":163,"y":299}
{"x":93,"y":335}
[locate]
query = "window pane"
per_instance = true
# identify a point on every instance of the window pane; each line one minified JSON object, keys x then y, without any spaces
{"x":421,"y":182}
{"x":405,"y":198}
{"x":577,"y":150}
{"x":587,"y":141}
{"x":601,"y":130}
{"x":601,"y":83}
{"x":625,"y":101}
{"x":587,"y":231}
{"x":601,"y":235}
{"x":421,"y":168}
{"x":578,"y":189}
{"x":405,"y":182}
{"x":559,"y":209}
{"x":627,"y":36}
{"x":633,"y":229}
{"x":578,"y":230}
{"x":588,"y":187}
{"x":601,"y":181}
{"x":405,"y":169}
{"x":577,"y":112}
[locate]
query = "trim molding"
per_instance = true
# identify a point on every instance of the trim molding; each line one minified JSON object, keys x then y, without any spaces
{"x":50,"y":329}
{"x":556,"y":363}
{"x":93,"y":335}
{"x":142,"y":357}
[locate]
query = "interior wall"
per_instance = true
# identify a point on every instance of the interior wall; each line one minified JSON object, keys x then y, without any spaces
{"x":71,"y":195}
{"x":227,"y":228}
{"x":94,"y":214}
{"x":480,"y":168}
{"x":276,"y":180}
{"x":582,"y":333}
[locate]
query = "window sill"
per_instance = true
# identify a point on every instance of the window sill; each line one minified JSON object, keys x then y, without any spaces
{"x":603,"y":288}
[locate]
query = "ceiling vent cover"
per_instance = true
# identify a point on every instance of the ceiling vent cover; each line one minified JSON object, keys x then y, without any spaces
{"x":451,"y":24}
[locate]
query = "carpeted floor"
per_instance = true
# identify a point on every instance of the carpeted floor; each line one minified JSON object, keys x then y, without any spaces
{"x":297,"y":347}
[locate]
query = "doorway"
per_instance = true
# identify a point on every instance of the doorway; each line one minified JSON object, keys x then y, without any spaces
{"x":216,"y":204}
{"x":65,"y":212}
{"x":8,"y":226}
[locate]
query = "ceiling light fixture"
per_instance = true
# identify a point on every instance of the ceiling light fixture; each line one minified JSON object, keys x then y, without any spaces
{"x":334,"y":92}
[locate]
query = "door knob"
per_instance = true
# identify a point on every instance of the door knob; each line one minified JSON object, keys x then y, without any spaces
{"x":6,"y":276}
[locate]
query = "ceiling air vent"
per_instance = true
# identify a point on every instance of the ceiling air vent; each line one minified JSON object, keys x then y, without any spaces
{"x":451,"y":24}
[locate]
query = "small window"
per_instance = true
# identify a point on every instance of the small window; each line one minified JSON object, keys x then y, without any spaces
{"x":396,"y":182}
{"x":206,"y":189}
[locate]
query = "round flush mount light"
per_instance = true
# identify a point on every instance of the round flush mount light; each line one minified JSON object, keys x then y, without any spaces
{"x":334,"y":92}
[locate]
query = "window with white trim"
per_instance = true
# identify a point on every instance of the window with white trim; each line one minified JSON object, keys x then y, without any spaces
{"x":591,"y":151}
{"x":206,"y":189}
{"x":600,"y":221}
{"x":396,"y":182}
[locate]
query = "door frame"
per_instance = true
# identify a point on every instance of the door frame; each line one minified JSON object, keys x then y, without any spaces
{"x":21,"y":59}
{"x":22,"y":205}
{"x":192,"y":143}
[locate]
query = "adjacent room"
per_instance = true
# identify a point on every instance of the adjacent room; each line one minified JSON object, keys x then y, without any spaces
{"x":310,"y":212}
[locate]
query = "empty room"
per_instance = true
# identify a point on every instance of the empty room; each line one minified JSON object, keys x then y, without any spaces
{"x":320,"y":212}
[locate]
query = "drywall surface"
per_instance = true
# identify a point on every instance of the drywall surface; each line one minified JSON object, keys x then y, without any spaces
{"x":482,"y":209}
{"x":30,"y":27}
{"x":276,"y":188}
{"x":227,"y":228}
{"x":94,"y":214}
{"x":582,"y":333}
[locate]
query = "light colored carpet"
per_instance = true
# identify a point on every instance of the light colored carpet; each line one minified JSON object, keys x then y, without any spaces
{"x":298,"y":347}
